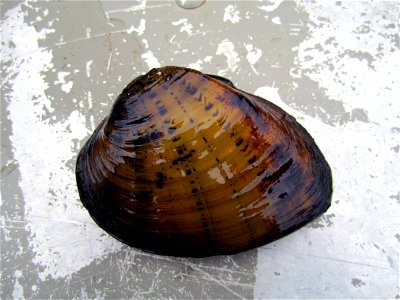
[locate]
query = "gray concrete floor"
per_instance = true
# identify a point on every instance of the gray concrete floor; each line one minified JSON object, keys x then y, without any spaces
{"x":333,"y":66}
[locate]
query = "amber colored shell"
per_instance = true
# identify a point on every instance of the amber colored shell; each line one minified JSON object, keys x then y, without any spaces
{"x":188,"y":165}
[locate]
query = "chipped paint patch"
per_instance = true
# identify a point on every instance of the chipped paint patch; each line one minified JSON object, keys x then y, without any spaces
{"x":276,"y":20}
{"x":185,"y":25}
{"x":227,"y":48}
{"x":253,"y":56}
{"x":351,"y":55}
{"x":151,"y":60}
{"x":232,"y":14}
{"x":139,"y":29}
{"x":51,"y":204}
{"x":66,"y":86}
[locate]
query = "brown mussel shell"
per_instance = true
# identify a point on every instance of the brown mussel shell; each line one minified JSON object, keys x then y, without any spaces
{"x":188,"y":165}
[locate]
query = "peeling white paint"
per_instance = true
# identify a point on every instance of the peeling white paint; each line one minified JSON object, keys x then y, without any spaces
{"x":253,"y":56}
{"x":276,"y":20}
{"x":227,"y":48}
{"x":139,"y":29}
{"x":198,"y":65}
{"x":88,"y":67}
{"x":232,"y":14}
{"x":179,"y":22}
{"x":151,"y":60}
{"x":90,"y":100}
{"x":53,"y":213}
{"x":365,"y":79}
{"x":145,"y":43}
{"x":66,"y":86}
{"x":185,"y":25}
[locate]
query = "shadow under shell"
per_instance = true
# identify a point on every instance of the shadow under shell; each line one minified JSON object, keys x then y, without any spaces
{"x":188,"y":165}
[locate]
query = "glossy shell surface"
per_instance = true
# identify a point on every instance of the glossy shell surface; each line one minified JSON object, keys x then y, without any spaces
{"x":188,"y":165}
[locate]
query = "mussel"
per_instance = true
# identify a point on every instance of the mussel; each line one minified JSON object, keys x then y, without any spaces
{"x":188,"y":165}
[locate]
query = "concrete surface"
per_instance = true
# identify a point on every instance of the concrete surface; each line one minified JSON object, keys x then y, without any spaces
{"x":334,"y":66}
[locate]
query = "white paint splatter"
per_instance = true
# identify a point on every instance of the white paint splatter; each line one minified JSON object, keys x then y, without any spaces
{"x":151,"y":60}
{"x":196,"y":65}
{"x":227,"y":49}
{"x":232,"y":14}
{"x":276,"y":20}
{"x":357,"y":59}
{"x":186,"y":26}
{"x":90,"y":100}
{"x":253,"y":56}
{"x":139,"y":29}
{"x":88,"y":32}
{"x":63,"y":237}
{"x":88,"y":67}
{"x":66,"y":86}
{"x":179,"y":22}
{"x":145,"y":43}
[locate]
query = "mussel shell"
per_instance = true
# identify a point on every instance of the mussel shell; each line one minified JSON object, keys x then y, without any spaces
{"x":188,"y":165}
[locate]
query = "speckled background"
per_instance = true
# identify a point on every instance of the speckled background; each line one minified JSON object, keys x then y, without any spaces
{"x":334,"y":66}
